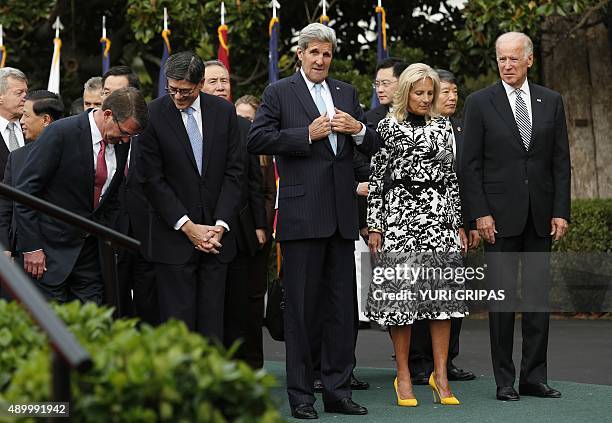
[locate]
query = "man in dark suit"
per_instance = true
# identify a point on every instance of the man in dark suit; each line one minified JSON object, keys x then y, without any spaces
{"x":421,"y":354}
{"x":41,"y":108}
{"x":312,"y":124}
{"x":387,"y":74}
{"x":517,"y":185}
{"x":191,"y":168}
{"x":76,"y":164}
{"x":249,"y":224}
{"x":13,"y":89}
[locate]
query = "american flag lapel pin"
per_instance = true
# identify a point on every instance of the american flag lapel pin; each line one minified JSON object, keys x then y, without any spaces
{"x":458,"y":129}
{"x":539,"y":100}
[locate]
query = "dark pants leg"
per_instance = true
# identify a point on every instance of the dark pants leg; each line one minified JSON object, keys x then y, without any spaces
{"x":85,"y":282}
{"x":125,"y":269}
{"x":194,"y":293}
{"x":236,"y":302}
{"x":144,"y":288}
{"x":503,"y":266}
{"x":453,"y":346}
{"x":308,"y":290}
{"x":258,"y":284}
{"x":421,"y":354}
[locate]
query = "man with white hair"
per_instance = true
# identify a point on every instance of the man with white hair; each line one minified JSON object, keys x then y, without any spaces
{"x":13,"y":90}
{"x":92,"y":93}
{"x":312,"y":124}
{"x":516,"y":170}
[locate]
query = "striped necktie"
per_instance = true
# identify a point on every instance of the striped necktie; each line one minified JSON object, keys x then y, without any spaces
{"x":521,"y":114}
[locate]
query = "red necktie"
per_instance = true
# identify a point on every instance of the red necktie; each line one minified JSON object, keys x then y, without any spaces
{"x":101,"y":174}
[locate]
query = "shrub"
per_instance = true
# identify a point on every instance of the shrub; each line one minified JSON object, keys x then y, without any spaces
{"x":162,"y":374}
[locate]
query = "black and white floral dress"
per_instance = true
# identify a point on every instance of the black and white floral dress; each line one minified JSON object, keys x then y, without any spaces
{"x":418,"y":214}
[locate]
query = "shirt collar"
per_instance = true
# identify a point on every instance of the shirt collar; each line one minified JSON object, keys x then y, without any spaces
{"x":196,"y":105}
{"x":96,"y":135}
{"x":4,"y":124}
{"x":311,"y":84}
{"x":510,"y":90}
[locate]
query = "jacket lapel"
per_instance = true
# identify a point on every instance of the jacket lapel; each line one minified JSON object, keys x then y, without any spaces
{"x":175,"y":121}
{"x":208,"y":119}
{"x":301,"y":91}
{"x":458,"y":136}
{"x":121,"y":152}
{"x":502,"y":106}
{"x":86,"y":153}
{"x":537,"y":111}
{"x":336,"y":95}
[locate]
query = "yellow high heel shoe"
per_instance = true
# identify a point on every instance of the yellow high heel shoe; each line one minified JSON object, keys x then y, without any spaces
{"x":410,"y":402}
{"x":452,"y":400}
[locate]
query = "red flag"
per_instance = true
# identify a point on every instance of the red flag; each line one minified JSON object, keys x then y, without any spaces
{"x":223,"y":53}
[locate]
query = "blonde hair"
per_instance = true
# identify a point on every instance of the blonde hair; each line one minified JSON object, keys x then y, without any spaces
{"x":409,"y":77}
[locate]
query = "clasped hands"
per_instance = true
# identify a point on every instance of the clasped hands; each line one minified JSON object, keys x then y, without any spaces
{"x":486,"y":228}
{"x":342,"y":122}
{"x":205,"y":238}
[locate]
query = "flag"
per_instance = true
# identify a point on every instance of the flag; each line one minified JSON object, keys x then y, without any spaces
{"x":2,"y":55}
{"x":161,"y":82}
{"x":223,"y":52}
{"x":324,"y":19}
{"x":54,"y":73}
{"x":381,"y":51}
{"x":273,"y":53}
{"x":106,"y":44}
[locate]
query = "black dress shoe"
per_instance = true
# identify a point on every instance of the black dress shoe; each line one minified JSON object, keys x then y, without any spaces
{"x":457,"y":373}
{"x":317,"y":385}
{"x":359,"y":385}
{"x":345,"y":406}
{"x":420,"y":379}
{"x":304,"y":411}
{"x":541,"y":390}
{"x":507,"y":393}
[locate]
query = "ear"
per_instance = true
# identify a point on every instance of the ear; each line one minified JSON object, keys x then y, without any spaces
{"x":300,"y":53}
{"x":46,"y":120}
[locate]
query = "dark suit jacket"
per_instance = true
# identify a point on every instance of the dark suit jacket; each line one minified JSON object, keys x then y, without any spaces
{"x":458,"y":130}
{"x":59,"y":168}
{"x":376,"y":115}
{"x":8,"y":226}
{"x":173,"y":185}
{"x":316,"y":193}
{"x":4,"y":153}
{"x":251,"y":211}
{"x":503,"y":179}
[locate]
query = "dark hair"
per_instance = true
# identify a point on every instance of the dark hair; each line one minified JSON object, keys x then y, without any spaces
{"x":127,"y":103}
{"x":184,"y":65}
{"x":46,"y":102}
{"x":396,"y":63}
{"x":123,"y":71}
{"x":446,"y":76}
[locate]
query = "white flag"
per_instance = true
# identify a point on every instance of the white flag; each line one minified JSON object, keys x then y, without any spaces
{"x":54,"y":74}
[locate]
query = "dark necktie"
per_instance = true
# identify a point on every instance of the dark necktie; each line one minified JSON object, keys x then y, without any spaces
{"x":523,"y":122}
{"x":101,"y":174}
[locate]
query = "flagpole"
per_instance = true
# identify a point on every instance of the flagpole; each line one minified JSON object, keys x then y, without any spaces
{"x":2,"y":48}
{"x":161,"y":80}
{"x":54,"y":73}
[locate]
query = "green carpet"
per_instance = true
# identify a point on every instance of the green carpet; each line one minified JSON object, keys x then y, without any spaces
{"x":580,"y":402}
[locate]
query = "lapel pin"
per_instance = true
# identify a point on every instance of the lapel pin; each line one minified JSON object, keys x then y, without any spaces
{"x":539,"y":100}
{"x":458,"y":129}
{"x":338,"y":88}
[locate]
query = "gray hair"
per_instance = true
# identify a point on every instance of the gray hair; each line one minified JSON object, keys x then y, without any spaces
{"x":93,"y":84}
{"x":214,"y":63}
{"x":6,"y":73}
{"x":316,"y":32}
{"x":516,"y":36}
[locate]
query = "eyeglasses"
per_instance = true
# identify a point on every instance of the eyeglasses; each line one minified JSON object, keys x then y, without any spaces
{"x":384,"y":83}
{"x":123,"y":133}
{"x":184,"y":92}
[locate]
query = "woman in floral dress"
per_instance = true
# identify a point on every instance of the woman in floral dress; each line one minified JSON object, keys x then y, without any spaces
{"x":415,"y":222}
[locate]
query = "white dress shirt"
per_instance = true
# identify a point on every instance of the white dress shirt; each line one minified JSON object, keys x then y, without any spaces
{"x":525,"y":95}
{"x":329,"y":105}
{"x":197,"y":114}
{"x":109,"y":154}
{"x":5,"y":132}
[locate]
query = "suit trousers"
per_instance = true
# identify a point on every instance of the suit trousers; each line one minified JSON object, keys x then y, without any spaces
{"x":84,"y":283}
{"x":257,"y":287}
{"x":319,"y":280}
{"x":421,"y":353}
{"x":236,"y":302}
{"x":194,"y":293}
{"x":535,"y":282}
{"x":137,"y":287}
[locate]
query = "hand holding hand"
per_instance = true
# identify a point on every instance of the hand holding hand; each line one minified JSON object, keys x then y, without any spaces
{"x":35,"y":263}
{"x":486,"y":228}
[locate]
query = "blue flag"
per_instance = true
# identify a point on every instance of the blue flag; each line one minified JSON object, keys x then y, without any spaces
{"x":273,"y":53}
{"x":381,"y":50}
{"x":106,"y":44}
{"x":162,"y":81}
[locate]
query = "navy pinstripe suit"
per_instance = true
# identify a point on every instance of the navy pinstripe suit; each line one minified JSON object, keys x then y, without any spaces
{"x":317,"y":224}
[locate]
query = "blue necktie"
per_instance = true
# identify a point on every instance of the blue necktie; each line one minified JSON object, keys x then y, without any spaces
{"x":322,"y":109}
{"x":195,"y":138}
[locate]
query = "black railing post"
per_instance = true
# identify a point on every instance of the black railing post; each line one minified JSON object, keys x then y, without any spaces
{"x":60,"y":382}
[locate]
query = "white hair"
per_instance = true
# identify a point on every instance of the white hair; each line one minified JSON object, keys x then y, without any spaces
{"x":516,"y":36}
{"x":6,"y":73}
{"x":317,"y":32}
